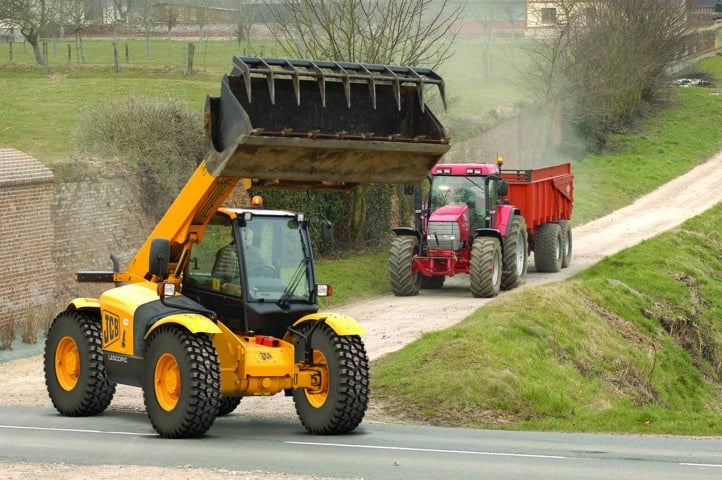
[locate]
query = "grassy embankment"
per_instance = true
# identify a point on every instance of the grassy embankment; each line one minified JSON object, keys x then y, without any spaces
{"x":593,"y":353}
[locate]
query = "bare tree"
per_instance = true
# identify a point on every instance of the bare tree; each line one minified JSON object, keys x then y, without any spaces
{"x":146,"y":18}
{"x":606,"y":58}
{"x":32,"y":17}
{"x":409,"y":32}
{"x":405,"y":32}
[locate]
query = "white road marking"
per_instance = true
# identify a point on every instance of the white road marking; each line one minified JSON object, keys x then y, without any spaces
{"x":76,"y":430}
{"x":428,"y":450}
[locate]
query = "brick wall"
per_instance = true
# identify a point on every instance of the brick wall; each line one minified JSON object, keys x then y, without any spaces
{"x":56,"y":221}
{"x":27,"y":277}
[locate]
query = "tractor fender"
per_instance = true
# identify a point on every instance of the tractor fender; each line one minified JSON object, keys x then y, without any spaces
{"x":193,"y":322}
{"x":505,"y":218}
{"x":407,"y":232}
{"x":488,"y":232}
{"x":341,"y":324}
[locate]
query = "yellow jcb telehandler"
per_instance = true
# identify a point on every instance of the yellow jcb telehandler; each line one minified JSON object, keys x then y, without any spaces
{"x":221,"y":303}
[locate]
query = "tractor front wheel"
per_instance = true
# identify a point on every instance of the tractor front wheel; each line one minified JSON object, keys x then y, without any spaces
{"x":75,"y":374}
{"x":485,"y":268}
{"x":340,"y":401}
{"x":181,"y":388}
{"x":404,"y":281}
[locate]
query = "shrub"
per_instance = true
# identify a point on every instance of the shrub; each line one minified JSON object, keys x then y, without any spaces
{"x":159,"y":136}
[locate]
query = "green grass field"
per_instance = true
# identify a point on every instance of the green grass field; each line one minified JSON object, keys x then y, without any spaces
{"x":591,"y":354}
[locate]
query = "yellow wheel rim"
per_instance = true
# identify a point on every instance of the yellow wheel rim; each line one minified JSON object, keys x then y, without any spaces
{"x":167,"y":382}
{"x":67,"y":363}
{"x":316,"y":398}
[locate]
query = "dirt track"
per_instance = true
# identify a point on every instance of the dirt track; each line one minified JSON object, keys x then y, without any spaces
{"x":393,"y":322}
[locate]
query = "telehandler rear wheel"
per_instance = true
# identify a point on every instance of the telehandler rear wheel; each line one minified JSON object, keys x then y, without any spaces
{"x":181,"y":386}
{"x":75,"y":374}
{"x":515,"y":254}
{"x":340,"y":402}
{"x":485,"y":268}
{"x":404,"y":281}
{"x":228,"y":404}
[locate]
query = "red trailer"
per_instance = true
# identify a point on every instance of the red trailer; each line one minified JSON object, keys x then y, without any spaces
{"x":484,"y":221}
{"x":544,"y":196}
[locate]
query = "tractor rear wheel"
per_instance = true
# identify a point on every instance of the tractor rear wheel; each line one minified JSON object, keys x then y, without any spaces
{"x":567,"y":237}
{"x":339,"y":403}
{"x":515,"y":254}
{"x":181,"y":388}
{"x":485,"y":268}
{"x":404,"y":281}
{"x":75,"y":374}
{"x":549,"y":248}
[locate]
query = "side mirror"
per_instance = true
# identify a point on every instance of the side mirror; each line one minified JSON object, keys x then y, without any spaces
{"x":327,"y":231}
{"x":159,"y":257}
{"x":503,"y":188}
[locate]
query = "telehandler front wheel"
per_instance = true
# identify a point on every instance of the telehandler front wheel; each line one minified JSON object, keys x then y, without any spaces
{"x":339,"y":403}
{"x":181,"y":385}
{"x":75,"y":374}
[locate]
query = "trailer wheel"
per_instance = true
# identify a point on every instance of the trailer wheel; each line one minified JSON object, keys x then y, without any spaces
{"x":340,"y":402}
{"x":515,"y":254}
{"x":485,"y":268}
{"x":432,"y":283}
{"x":567,"y":237}
{"x":181,"y":388}
{"x":404,"y":281}
{"x":75,"y":373}
{"x":549,"y":248}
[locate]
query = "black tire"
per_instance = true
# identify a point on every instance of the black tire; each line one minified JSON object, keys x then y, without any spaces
{"x":404,"y":281}
{"x":181,"y":387}
{"x":340,"y":408}
{"x":516,"y":254}
{"x":567,"y":237}
{"x":228,"y":404}
{"x":432,"y":283}
{"x":75,"y":373}
{"x":485,"y":268}
{"x":549,"y":248}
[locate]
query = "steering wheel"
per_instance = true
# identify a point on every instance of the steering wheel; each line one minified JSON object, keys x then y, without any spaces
{"x":262,"y":270}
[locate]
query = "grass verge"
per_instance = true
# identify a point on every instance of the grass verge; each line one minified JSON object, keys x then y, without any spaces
{"x":633,"y":344}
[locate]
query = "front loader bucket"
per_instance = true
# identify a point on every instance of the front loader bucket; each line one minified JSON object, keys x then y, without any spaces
{"x":314,"y":124}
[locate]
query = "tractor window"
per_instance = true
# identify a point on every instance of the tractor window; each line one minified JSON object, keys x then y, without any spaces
{"x":273,"y":253}
{"x":456,"y":190}
{"x":214,"y":262}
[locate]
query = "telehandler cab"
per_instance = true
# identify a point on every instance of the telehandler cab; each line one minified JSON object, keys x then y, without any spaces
{"x":221,"y":303}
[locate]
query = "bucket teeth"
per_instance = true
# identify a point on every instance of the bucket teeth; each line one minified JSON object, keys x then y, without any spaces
{"x":323,"y":124}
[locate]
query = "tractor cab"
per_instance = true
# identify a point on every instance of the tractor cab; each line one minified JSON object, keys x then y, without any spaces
{"x":254,"y":269}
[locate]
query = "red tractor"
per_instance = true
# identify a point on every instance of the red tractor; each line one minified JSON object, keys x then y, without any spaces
{"x":482,"y":221}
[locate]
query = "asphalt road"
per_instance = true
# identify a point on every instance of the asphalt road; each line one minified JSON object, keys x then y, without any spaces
{"x":377,"y":451}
